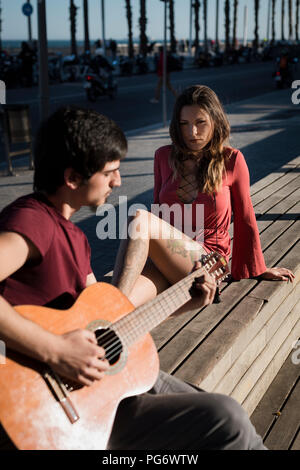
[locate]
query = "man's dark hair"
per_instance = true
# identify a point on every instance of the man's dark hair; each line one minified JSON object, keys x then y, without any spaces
{"x":76,"y":138}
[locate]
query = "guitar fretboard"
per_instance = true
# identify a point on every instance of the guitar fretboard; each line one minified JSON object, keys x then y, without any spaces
{"x":148,"y":316}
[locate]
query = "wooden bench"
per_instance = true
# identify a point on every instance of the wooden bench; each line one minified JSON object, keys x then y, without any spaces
{"x":238,"y":346}
{"x":277,"y":416}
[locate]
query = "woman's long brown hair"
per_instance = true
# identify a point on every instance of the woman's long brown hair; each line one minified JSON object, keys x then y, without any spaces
{"x":211,"y":166}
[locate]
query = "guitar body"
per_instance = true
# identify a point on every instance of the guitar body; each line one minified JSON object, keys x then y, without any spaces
{"x":32,"y":416}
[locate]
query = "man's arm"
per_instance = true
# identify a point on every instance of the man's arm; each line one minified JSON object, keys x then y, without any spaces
{"x":75,"y":354}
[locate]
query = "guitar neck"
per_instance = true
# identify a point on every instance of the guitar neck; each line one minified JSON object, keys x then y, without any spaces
{"x":142,"y":320}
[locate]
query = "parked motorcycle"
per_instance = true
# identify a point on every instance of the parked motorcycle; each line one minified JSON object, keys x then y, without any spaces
{"x":126,"y":65}
{"x":141,"y":65}
{"x":280,"y":80}
{"x":284,"y":75}
{"x":96,"y":85}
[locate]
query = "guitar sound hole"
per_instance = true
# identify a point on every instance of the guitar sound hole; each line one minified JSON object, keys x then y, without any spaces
{"x":110,"y":342}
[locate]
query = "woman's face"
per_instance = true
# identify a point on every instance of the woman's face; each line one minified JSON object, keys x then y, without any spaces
{"x":196,"y":127}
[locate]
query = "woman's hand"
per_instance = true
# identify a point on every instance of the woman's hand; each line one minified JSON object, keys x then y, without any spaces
{"x":277,"y":274}
{"x":205,"y":286}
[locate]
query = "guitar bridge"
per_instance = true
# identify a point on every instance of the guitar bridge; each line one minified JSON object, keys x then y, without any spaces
{"x":60,"y":392}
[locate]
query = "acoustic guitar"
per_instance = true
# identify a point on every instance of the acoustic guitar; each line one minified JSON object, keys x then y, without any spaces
{"x":40,"y":410}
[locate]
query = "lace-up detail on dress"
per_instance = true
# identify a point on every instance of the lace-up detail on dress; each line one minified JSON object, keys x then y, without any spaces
{"x":188,"y":188}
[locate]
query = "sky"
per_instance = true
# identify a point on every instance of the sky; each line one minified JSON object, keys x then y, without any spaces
{"x":14,"y":23}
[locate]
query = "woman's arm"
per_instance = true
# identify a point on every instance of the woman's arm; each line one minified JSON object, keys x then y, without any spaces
{"x":247,"y":257}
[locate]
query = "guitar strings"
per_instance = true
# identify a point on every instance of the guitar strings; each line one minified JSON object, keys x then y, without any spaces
{"x":113,"y":346}
{"x":113,"y":343}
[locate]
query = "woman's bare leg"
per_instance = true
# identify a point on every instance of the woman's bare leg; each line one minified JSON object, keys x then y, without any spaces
{"x":172,"y":253}
{"x":168,"y":83}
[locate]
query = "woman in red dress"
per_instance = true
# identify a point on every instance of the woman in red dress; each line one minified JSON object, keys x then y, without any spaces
{"x":199,"y":168}
{"x":197,"y":174}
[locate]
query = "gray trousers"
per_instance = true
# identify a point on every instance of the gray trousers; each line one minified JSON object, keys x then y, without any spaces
{"x":177,"y":416}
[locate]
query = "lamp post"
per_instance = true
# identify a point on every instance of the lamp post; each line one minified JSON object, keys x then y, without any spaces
{"x":245,"y":26}
{"x":43,"y":60}
{"x":217,"y":25}
{"x":29,"y":26}
{"x":164,"y":93}
{"x":269,"y":18}
{"x":0,"y":25}
{"x":191,"y":27}
{"x":103,"y":26}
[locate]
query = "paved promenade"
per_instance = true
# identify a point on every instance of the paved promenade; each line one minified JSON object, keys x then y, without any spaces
{"x":265,"y":128}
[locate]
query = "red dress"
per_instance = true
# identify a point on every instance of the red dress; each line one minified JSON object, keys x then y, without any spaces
{"x":234,"y":197}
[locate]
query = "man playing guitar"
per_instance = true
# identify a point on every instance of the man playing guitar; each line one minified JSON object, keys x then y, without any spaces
{"x":45,"y":260}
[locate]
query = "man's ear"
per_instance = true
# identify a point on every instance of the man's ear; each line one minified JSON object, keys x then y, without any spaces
{"x":72,"y":179}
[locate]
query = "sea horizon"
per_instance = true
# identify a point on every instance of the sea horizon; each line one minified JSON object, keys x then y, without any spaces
{"x":65,"y":42}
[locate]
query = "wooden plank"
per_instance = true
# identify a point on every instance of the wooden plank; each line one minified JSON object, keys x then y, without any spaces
{"x":266,"y":378}
{"x":295,"y":161}
{"x":296,"y":443}
{"x":287,"y":425}
{"x":215,"y":355}
{"x":164,"y":332}
{"x":279,"y":224}
{"x":278,"y":184}
{"x":274,"y":231}
{"x":271,"y":177}
{"x":284,"y":210}
{"x":250,"y":354}
{"x":193,"y":333}
{"x":278,"y":196}
{"x":263,"y":416}
{"x":268,"y":289}
{"x":287,"y":205}
{"x":273,"y":344}
{"x":254,"y":320}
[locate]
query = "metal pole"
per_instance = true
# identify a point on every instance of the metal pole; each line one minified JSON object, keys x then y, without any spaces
{"x":245,"y":25}
{"x":191,"y":27}
{"x":0,"y":25}
{"x":29,"y":26}
{"x":217,"y":25}
{"x":269,"y":18}
{"x":103,"y":25}
{"x":165,"y":68}
{"x":87,"y":46}
{"x":43,"y":60}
